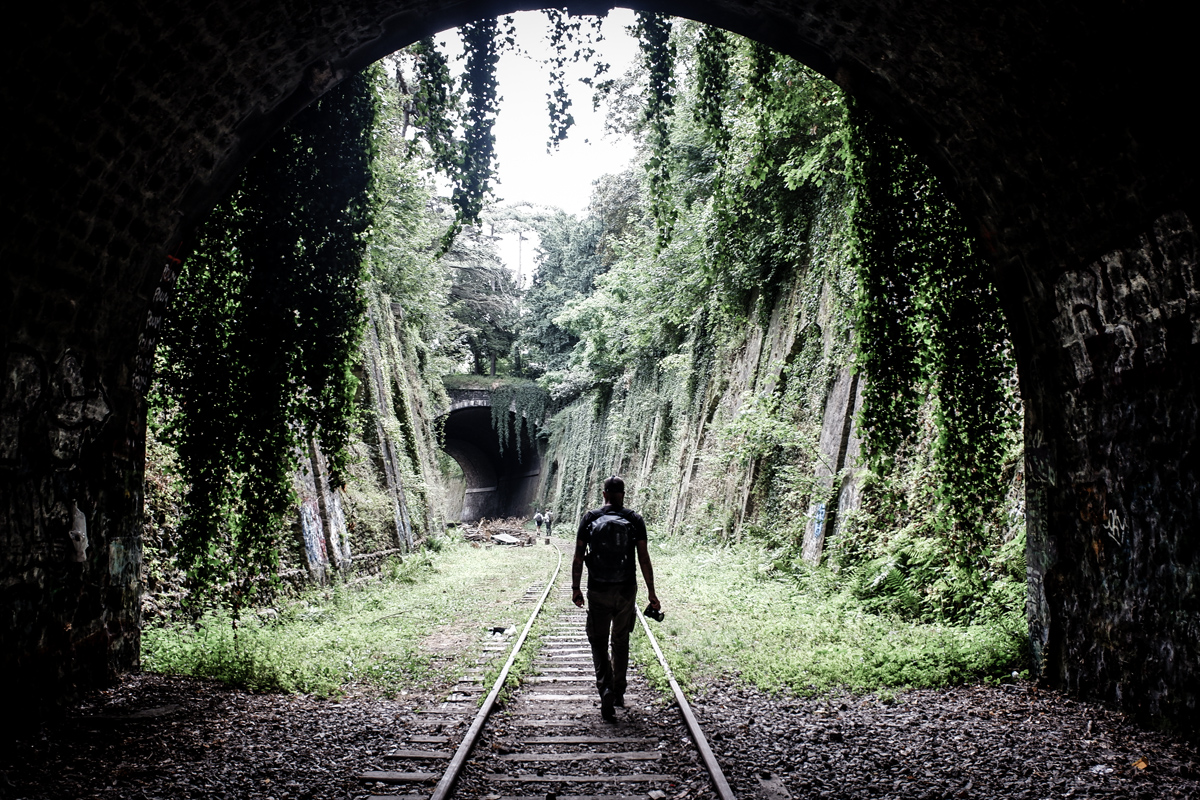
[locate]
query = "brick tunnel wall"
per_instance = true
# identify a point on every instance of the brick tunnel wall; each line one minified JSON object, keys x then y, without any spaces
{"x":1062,"y":128}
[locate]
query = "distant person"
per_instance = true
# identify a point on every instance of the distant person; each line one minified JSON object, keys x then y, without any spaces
{"x":549,"y":519}
{"x":606,"y":541}
{"x":537,"y":520}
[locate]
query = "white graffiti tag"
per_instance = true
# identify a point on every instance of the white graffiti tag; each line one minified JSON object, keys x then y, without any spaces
{"x":1116,"y":527}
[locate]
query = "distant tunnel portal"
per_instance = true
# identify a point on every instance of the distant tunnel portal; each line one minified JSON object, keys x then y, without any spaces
{"x":498,"y":481}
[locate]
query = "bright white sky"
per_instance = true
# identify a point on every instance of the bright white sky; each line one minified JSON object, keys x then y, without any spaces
{"x":527,"y":173}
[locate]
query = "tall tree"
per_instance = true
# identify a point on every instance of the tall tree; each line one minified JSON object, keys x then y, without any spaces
{"x":484,"y":298}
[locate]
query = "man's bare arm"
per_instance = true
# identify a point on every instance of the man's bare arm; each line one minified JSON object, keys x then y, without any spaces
{"x":643,"y":553}
{"x":577,"y":572}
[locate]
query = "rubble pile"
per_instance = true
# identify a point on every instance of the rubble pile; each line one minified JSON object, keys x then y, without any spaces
{"x":510,"y":531}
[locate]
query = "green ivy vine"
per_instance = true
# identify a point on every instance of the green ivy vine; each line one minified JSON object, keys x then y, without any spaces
{"x":258,"y":344}
{"x":527,"y":401}
{"x":653,"y":32}
{"x":929,"y":326}
{"x":564,"y":31}
{"x":713,"y":53}
{"x":469,"y":163}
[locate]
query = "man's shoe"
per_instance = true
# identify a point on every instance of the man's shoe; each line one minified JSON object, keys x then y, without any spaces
{"x":607,"y":701}
{"x":619,"y":701}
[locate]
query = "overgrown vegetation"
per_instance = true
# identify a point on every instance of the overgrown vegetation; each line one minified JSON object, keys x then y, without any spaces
{"x":417,"y":629}
{"x":732,"y":612}
{"x":256,"y":352}
{"x":688,"y":332}
{"x":803,"y":240}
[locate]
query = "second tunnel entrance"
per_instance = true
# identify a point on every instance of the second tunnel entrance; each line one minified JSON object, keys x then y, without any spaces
{"x":500,"y":477}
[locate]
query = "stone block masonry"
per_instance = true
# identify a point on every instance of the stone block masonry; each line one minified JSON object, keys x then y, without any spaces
{"x":1113,"y":497}
{"x":1061,"y":129}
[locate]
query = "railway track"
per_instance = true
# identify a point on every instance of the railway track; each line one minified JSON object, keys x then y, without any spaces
{"x":548,"y":740}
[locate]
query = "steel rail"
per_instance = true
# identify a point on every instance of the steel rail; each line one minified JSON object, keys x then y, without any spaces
{"x":446,"y":784}
{"x":706,"y":753}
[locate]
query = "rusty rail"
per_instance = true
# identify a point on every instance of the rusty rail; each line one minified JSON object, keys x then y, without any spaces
{"x":445,"y":786}
{"x":706,"y":753}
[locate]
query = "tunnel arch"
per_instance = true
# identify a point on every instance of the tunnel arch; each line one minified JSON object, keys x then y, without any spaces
{"x":500,"y":481}
{"x":1058,"y":126}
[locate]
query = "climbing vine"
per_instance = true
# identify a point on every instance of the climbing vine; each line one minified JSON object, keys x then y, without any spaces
{"x":929,"y":325}
{"x":658,"y":55}
{"x":435,"y":105}
{"x":783,"y":203}
{"x":469,"y":162}
{"x":713,"y":53}
{"x":527,"y":401}
{"x":566,"y":30}
{"x":473,"y":181}
{"x":258,"y":344}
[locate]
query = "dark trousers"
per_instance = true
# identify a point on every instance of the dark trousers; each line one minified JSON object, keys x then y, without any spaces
{"x":610,"y":613}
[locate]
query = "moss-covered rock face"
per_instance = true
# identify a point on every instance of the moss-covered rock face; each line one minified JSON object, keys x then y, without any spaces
{"x":134,"y":118}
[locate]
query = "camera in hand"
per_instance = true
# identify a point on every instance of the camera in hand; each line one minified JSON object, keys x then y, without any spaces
{"x":653,"y":613}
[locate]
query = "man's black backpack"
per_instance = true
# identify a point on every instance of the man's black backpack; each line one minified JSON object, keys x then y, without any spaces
{"x":609,"y":556}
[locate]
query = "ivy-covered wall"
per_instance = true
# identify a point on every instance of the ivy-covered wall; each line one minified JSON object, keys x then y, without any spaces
{"x":723,"y":439}
{"x":752,"y":434}
{"x":394,"y":494}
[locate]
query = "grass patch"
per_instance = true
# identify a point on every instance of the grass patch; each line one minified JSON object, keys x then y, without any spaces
{"x":416,"y":629}
{"x":728,"y":614}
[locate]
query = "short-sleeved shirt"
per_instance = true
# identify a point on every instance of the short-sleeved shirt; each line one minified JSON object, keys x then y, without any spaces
{"x":637,"y":534}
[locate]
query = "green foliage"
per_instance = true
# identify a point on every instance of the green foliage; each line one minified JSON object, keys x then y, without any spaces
{"x":256,"y":351}
{"x":568,"y":262}
{"x":436,"y":106}
{"x":484,"y":298}
{"x":565,"y":30}
{"x":713,"y":51}
{"x":930,"y":326}
{"x":653,"y":31}
{"x":402,"y":242}
{"x":381,"y":637}
{"x":777,"y":232}
{"x":516,"y":403}
{"x":730,"y":610}
{"x":469,"y":162}
{"x":523,"y":402}
{"x":473,"y":180}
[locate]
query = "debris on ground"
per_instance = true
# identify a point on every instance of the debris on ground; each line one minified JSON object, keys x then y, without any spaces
{"x":154,"y":737}
{"x":509,"y":531}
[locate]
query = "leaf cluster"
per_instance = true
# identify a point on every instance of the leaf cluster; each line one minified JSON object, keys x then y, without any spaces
{"x":258,"y":344}
{"x":929,"y":327}
{"x":566,"y":30}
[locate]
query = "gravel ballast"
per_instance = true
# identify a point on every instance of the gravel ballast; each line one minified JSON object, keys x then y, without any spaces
{"x":166,"y":737}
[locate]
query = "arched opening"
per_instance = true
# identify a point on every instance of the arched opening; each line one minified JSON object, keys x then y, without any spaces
{"x":138,"y":120}
{"x":498,"y":481}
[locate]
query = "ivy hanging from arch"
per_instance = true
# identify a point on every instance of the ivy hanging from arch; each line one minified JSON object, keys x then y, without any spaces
{"x":257,"y":347}
{"x":469,"y":163}
{"x":653,"y":32}
{"x":929,"y":325}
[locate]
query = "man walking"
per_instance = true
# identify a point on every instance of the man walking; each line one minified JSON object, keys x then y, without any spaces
{"x":606,"y":541}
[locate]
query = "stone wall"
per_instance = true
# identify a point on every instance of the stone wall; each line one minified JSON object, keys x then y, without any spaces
{"x":1062,"y":127}
{"x":1113,"y":461}
{"x":676,"y":455}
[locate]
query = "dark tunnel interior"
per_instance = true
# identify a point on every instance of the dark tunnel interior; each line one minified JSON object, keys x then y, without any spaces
{"x":500,"y":479}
